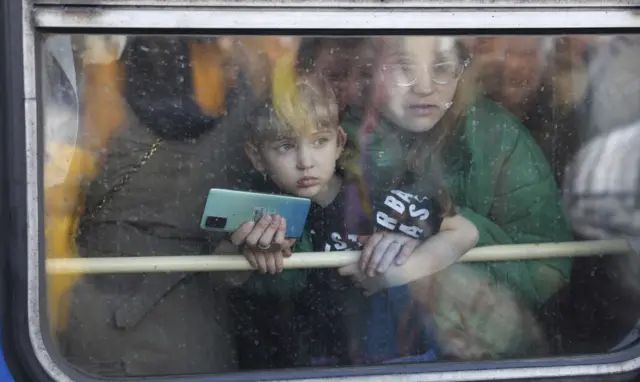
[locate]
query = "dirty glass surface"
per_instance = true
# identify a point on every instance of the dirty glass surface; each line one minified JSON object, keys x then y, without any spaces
{"x":330,"y":202}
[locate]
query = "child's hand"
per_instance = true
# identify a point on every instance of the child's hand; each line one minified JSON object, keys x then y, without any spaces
{"x":383,"y":249}
{"x":268,"y":261}
{"x":395,"y":277}
{"x":264,"y":244}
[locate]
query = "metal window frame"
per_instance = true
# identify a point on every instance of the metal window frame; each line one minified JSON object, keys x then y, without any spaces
{"x":120,"y":16}
{"x":436,"y":4}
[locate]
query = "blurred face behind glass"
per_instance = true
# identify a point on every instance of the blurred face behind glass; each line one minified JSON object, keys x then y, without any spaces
{"x":421,"y":75}
{"x":334,"y":63}
{"x":344,"y":62}
{"x":511,"y":69}
{"x":523,"y":68}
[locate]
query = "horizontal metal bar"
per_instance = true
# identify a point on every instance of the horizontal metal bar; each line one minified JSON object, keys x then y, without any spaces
{"x":321,"y":259}
{"x":351,"y":3}
{"x":327,"y":19}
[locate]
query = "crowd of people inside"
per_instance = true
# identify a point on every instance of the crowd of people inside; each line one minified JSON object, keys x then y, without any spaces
{"x":413,"y":150}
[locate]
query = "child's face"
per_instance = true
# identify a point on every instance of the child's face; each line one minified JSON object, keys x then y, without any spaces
{"x":301,"y":165}
{"x":421,"y":76}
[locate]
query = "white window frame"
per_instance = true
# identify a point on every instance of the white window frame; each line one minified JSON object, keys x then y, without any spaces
{"x":356,"y":3}
{"x":439,"y":15}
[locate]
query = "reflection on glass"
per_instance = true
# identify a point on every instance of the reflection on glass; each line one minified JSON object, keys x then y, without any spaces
{"x":411,"y":150}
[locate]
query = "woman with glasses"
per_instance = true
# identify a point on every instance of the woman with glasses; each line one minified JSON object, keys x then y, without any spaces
{"x":424,"y":120}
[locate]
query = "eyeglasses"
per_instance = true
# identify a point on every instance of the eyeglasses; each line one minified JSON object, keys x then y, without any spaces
{"x":407,"y":74}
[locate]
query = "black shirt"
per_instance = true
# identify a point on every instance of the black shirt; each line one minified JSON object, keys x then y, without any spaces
{"x":395,"y":210}
{"x":329,"y":227}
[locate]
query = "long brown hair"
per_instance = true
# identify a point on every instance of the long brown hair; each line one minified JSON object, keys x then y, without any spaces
{"x":428,"y":147}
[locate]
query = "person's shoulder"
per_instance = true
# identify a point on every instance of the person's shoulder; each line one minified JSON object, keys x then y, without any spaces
{"x":494,"y":134}
{"x":490,"y":125}
{"x":486,"y":114}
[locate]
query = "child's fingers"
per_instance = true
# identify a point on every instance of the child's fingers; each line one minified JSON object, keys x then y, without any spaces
{"x":270,"y":259}
{"x":280,"y":231}
{"x":268,"y":236}
{"x":279,"y":263}
{"x":387,"y":258}
{"x":386,"y":247}
{"x":353,"y":271}
{"x":349,"y":270}
{"x":258,"y":229}
{"x":262,"y":262}
{"x":406,"y":251}
{"x":367,"y":251}
{"x":250,"y":256}
{"x":240,"y":235}
{"x":286,"y":247}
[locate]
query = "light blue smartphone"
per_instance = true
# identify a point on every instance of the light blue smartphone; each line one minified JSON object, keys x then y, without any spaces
{"x":226,"y":210}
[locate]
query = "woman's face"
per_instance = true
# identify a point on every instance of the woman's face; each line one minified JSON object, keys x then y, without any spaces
{"x":511,"y":69}
{"x":341,"y":66}
{"x":421,"y":75}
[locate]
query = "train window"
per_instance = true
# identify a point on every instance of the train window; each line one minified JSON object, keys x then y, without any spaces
{"x":249,"y":195}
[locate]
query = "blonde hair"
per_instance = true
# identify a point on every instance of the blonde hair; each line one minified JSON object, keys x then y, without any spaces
{"x":298,"y":105}
{"x":309,"y":106}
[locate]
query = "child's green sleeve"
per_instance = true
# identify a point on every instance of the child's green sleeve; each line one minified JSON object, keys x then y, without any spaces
{"x":289,"y":281}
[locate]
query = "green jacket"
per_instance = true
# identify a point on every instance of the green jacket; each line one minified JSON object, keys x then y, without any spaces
{"x":501,"y":181}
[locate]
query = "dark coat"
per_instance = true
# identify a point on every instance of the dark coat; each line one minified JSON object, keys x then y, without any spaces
{"x":156,"y":323}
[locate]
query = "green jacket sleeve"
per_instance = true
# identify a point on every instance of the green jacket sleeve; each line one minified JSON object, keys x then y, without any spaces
{"x":287,"y":282}
{"x":512,"y":198}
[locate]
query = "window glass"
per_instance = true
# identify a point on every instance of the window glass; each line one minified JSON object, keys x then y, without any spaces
{"x":330,"y":202}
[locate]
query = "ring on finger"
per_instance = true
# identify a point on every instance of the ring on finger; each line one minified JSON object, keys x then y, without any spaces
{"x":264,"y":247}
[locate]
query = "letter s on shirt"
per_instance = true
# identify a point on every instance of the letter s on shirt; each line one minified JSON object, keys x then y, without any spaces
{"x":421,"y":214}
